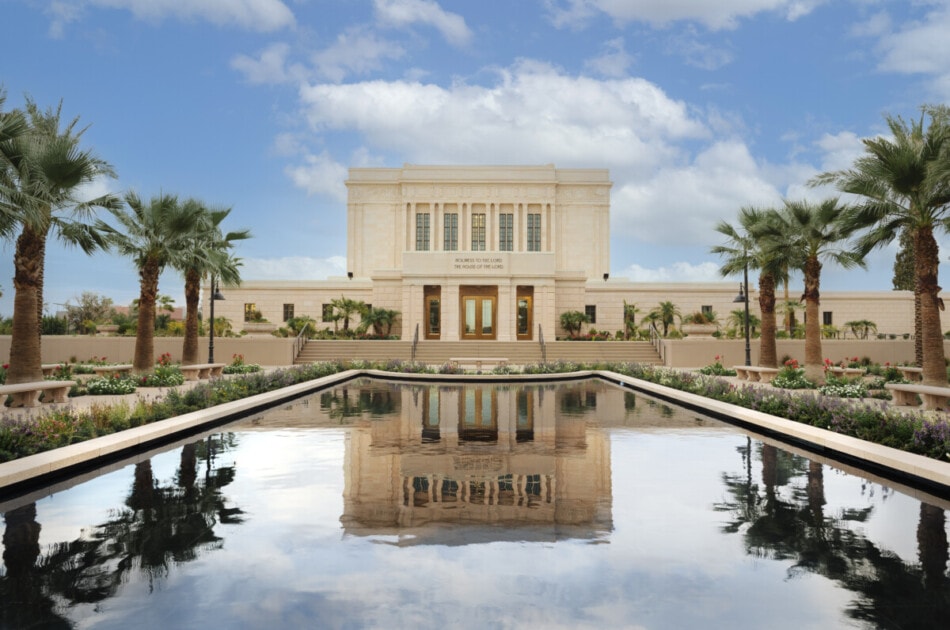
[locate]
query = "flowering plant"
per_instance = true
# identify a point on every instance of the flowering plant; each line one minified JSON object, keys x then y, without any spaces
{"x":165,"y":360}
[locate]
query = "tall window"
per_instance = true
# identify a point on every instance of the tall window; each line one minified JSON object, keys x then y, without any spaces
{"x":534,"y":232}
{"x":422,"y":231}
{"x":250,"y":312}
{"x":506,"y":225}
{"x":326,"y":313}
{"x":478,"y":232}
{"x":451,"y":240}
{"x":591,"y":311}
{"x":288,"y":312}
{"x":826,"y":318}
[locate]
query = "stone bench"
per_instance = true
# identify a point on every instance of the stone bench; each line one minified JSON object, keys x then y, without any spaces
{"x":911,"y":372}
{"x":202,"y":370}
{"x":846,"y":372}
{"x":28,"y":394}
{"x":478,"y":362}
{"x":934,"y":397}
{"x":755,"y":373}
{"x":109,"y":370}
{"x":50,"y":368}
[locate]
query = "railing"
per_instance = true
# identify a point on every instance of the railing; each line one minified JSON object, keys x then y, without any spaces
{"x":415,"y":342}
{"x":299,"y":343}
{"x":657,"y":342}
{"x":544,"y":348}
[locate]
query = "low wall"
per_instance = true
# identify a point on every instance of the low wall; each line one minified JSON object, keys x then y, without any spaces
{"x":264,"y":349}
{"x":692,"y":353}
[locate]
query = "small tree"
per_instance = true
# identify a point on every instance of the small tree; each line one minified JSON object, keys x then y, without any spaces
{"x":573,"y":321}
{"x":90,"y":307}
{"x":861,"y":328}
{"x":666,"y":313}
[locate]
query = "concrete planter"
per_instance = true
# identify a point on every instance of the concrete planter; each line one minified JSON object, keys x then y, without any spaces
{"x":699,"y":331}
{"x":259,"y":328}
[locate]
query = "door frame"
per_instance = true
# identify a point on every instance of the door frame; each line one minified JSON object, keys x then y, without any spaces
{"x":480,"y":293}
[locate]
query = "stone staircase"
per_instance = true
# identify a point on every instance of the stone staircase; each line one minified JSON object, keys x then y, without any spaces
{"x":517,"y":352}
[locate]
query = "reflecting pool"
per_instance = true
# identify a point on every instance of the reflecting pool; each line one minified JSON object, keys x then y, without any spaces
{"x":401,"y":505}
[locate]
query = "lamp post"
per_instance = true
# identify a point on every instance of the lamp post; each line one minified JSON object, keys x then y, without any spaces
{"x":215,"y":295}
{"x":744,"y":297}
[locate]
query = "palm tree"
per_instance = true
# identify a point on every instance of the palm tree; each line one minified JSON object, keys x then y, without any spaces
{"x":155,"y":236}
{"x":206,"y":254}
{"x":629,"y":319}
{"x":861,"y":328}
{"x":666,"y":314}
{"x":346,"y":308}
{"x":749,"y":247}
{"x":380,"y":319}
{"x":42,"y":170}
{"x":812,"y":233}
{"x":904,"y":183}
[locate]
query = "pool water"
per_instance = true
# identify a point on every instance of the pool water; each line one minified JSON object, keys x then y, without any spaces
{"x":399,"y":505}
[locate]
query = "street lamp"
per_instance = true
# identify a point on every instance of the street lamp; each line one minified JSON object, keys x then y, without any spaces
{"x":744,"y":297}
{"x":215,"y":295}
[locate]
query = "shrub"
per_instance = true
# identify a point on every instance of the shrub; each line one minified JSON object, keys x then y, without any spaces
{"x":115,"y":384}
{"x":716,"y":368}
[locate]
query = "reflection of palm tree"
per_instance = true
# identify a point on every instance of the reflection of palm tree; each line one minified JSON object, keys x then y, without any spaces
{"x":161,"y":524}
{"x":792,"y":526}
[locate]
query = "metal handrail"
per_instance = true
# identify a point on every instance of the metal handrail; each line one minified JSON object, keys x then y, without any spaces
{"x":299,"y":343}
{"x":656,"y":340}
{"x":415,"y":342}
{"x":544,"y":348}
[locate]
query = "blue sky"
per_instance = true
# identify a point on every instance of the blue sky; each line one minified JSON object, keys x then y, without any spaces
{"x":697,"y":107}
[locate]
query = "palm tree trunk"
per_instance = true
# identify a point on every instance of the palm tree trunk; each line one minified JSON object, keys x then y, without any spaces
{"x":918,"y":332}
{"x":926,"y":262}
{"x":932,"y":547}
{"x":145,"y":334}
{"x":189,"y":350}
{"x":768,"y":355}
{"x":814,"y":368}
{"x":25,"y":344}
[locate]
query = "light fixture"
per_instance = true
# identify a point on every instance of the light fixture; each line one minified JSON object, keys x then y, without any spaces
{"x":606,"y":275}
{"x":215,"y":295}
{"x":349,"y":274}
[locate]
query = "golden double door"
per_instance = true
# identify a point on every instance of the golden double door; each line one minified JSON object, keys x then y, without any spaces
{"x":478,"y":309}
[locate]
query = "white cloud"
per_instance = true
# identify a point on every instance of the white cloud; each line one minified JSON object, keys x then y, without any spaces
{"x":270,"y":66}
{"x":916,"y":47}
{"x":320,"y":175}
{"x":691,"y":199}
{"x":721,"y":14}
{"x":403,"y":13}
{"x":697,"y":53}
{"x":297,"y":267}
{"x":257,"y":15}
{"x":676,"y":272}
{"x":355,"y":51}
{"x":532,"y":114}
{"x":613,"y":62}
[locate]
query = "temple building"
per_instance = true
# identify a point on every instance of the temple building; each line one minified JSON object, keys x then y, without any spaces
{"x":499,"y":253}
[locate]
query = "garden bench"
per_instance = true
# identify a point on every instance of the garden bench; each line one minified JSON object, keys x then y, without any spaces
{"x":911,"y":372}
{"x":202,"y":370}
{"x":107,"y":370}
{"x":934,"y":397}
{"x":50,"y":368}
{"x":755,"y":373}
{"x":846,"y":372}
{"x":478,"y":362}
{"x":28,"y":394}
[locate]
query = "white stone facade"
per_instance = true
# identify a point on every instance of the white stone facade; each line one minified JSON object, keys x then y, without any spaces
{"x":499,"y":253}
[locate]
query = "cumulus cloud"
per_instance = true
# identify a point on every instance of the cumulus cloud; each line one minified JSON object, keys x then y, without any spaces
{"x":297,"y":267}
{"x":355,"y":51}
{"x":257,"y":15}
{"x":404,"y":13}
{"x":533,"y":113}
{"x":270,"y":66}
{"x":722,"y":14}
{"x":320,"y":175}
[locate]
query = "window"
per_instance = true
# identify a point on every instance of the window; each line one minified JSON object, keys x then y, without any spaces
{"x":288,"y":312}
{"x":250,"y":312}
{"x":591,"y":311}
{"x":826,"y":318}
{"x":706,"y":309}
{"x":422,"y":231}
{"x":327,"y":313}
{"x":506,"y":223}
{"x":534,"y":232}
{"x":451,"y":228}
{"x":478,"y":232}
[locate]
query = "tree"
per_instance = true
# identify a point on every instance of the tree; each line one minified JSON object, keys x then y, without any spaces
{"x":812,"y":233}
{"x":749,"y":246}
{"x":666,"y":313}
{"x":206,"y":255}
{"x":861,"y":328}
{"x":380,"y":319}
{"x":42,"y":172}
{"x":90,"y":307}
{"x":904,"y":185}
{"x":346,"y":308}
{"x":629,"y":319}
{"x":573,"y":321}
{"x":155,"y":236}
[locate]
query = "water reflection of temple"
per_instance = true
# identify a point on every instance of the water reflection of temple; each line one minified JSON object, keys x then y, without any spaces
{"x":513,"y":455}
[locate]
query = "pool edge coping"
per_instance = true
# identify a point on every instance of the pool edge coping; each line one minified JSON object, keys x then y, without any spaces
{"x":918,"y":469}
